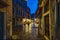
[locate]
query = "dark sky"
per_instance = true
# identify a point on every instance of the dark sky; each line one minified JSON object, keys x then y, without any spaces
{"x":32,"y":4}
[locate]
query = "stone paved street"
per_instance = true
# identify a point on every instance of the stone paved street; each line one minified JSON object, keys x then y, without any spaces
{"x":32,"y":35}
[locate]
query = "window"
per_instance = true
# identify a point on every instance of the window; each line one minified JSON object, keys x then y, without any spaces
{"x":59,"y":14}
{"x":13,"y":11}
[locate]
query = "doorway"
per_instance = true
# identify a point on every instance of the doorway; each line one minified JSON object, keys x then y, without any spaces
{"x":57,"y":36}
{"x":1,"y":25}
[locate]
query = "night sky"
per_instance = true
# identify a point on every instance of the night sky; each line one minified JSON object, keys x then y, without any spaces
{"x":32,"y":4}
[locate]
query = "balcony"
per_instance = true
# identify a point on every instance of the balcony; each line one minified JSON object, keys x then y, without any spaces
{"x":3,"y":3}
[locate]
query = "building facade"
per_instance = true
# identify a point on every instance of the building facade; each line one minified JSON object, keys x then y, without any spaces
{"x":6,"y":13}
{"x":49,"y":17}
{"x":20,"y":11}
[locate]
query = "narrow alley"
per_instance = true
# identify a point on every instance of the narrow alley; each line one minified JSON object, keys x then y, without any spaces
{"x":29,"y":19}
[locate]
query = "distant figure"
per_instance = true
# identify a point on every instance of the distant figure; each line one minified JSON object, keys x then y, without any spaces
{"x":24,"y":26}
